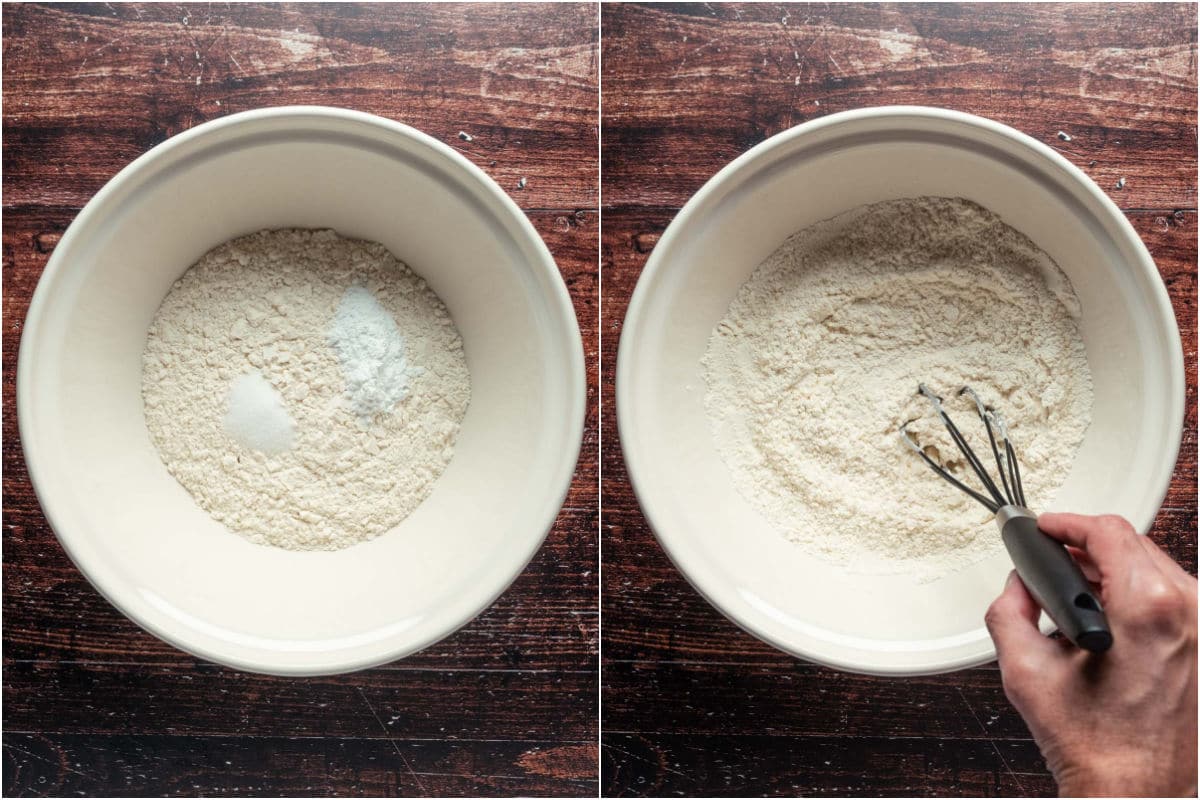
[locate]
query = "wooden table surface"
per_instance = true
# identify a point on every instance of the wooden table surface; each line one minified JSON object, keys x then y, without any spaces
{"x":691,"y":704}
{"x":92,"y":705}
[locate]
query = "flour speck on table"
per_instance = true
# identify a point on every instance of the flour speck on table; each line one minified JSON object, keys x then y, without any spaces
{"x":307,"y":389}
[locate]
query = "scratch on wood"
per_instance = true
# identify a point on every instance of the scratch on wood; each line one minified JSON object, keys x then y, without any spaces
{"x":395,"y":745}
{"x":660,"y":764}
{"x":62,"y":764}
{"x":983,"y":729}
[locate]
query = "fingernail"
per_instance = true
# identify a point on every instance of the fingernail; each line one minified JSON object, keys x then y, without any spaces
{"x":1012,"y":576}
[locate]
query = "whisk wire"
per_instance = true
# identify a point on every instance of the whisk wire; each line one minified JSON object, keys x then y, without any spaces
{"x":1009,"y":491}
{"x":943,"y":472}
{"x":988,"y":415}
{"x":1013,"y":492}
{"x":965,"y":449}
{"x":1019,"y":489}
{"x":974,"y":461}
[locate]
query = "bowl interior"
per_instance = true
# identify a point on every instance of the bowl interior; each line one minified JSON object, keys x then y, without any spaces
{"x":887,"y":624}
{"x":137,"y":533}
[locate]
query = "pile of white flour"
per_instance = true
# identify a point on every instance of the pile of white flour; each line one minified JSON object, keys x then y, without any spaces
{"x":817,"y":362}
{"x":364,"y":358}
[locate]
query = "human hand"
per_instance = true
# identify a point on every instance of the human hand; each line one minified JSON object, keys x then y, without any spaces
{"x":1122,"y":722}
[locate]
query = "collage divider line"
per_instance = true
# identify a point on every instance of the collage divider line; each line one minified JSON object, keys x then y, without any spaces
{"x":599,"y":392}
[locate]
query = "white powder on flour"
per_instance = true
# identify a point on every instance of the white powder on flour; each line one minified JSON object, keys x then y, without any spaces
{"x":371,"y":350}
{"x":363,"y":357}
{"x":817,"y":362}
{"x":256,"y":417}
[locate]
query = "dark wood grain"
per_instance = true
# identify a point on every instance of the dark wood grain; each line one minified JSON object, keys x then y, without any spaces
{"x":746,"y":765}
{"x":329,"y":766}
{"x":204,"y":700}
{"x":692,"y":705}
{"x":688,"y":88}
{"x":119,"y":79}
{"x":95,"y":706}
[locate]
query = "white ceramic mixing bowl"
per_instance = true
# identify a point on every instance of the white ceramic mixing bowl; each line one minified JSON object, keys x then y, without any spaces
{"x":137,"y":534}
{"x":730,"y":553}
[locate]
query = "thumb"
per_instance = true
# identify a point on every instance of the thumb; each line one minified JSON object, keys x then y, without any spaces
{"x":1012,"y":621}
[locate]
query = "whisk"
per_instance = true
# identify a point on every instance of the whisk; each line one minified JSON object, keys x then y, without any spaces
{"x":1044,"y":565}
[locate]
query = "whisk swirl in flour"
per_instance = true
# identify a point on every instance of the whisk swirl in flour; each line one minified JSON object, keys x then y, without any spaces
{"x":818,"y":358}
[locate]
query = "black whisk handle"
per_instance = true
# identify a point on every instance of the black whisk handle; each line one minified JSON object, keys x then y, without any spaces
{"x":1055,"y":580}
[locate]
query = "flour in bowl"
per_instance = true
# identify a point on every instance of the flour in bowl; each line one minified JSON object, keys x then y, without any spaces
{"x":305,"y":388}
{"x":817,"y":361}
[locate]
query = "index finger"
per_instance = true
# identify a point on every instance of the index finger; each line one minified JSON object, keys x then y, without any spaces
{"x":1109,"y":541}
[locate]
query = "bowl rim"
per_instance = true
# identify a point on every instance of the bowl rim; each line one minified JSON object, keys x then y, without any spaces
{"x":641,"y":474}
{"x":558,"y":302}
